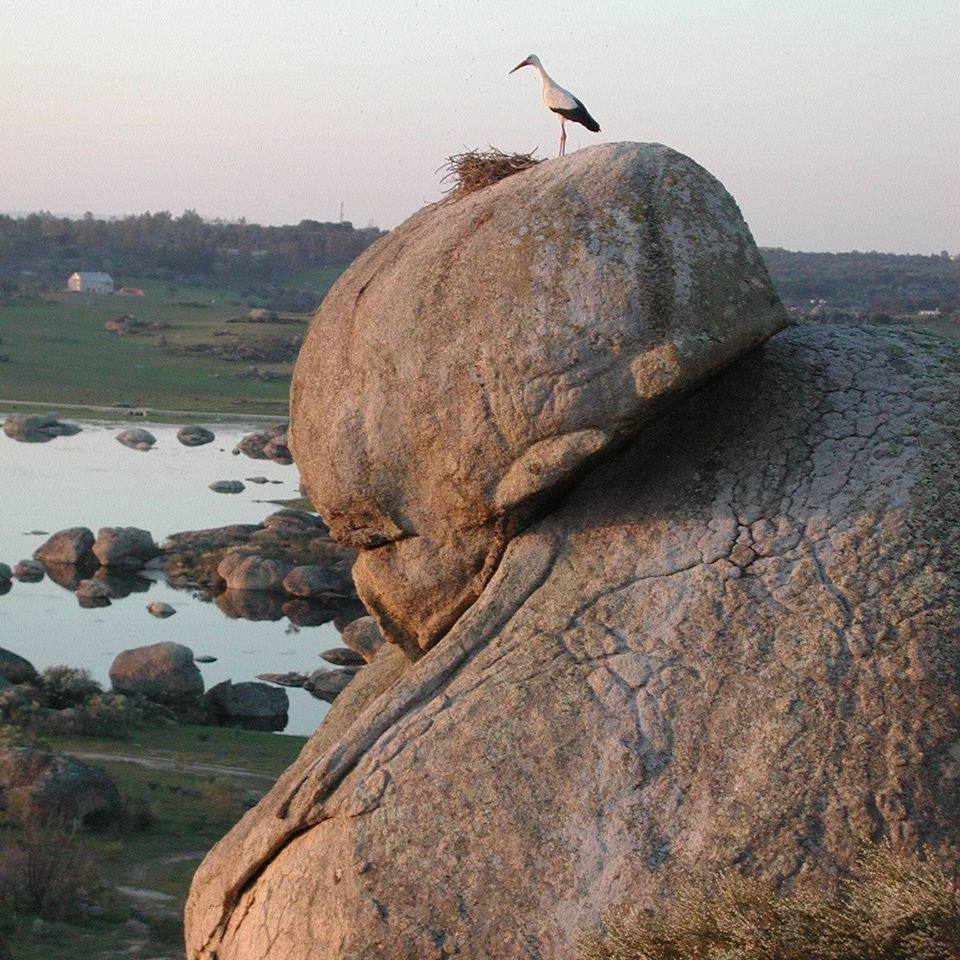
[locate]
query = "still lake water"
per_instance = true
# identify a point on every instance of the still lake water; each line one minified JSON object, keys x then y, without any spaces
{"x":91,"y":480}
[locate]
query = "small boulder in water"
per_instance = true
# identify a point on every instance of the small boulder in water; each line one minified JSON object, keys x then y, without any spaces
{"x":310,"y":581}
{"x":227,"y":486}
{"x":295,"y":521}
{"x":268,"y":444}
{"x":70,"y":546}
{"x":160,"y":609}
{"x":291,"y":679}
{"x":93,"y":589}
{"x":328,"y":684}
{"x":253,"y":572}
{"x":124,"y":547}
{"x":6,"y":574}
{"x":255,"y":706}
{"x":205,"y":658}
{"x":136,"y":438}
{"x":162,"y":672}
{"x":257,"y":480}
{"x":195,"y":436}
{"x":37,"y":428}
{"x":343,"y":657}
{"x":29,"y":571}
{"x":364,"y":636}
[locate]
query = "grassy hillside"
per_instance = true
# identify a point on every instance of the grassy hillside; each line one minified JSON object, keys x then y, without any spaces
{"x":58,"y":351}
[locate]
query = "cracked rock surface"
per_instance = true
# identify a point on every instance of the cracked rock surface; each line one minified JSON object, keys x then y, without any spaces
{"x":469,"y":363}
{"x":734,"y":644}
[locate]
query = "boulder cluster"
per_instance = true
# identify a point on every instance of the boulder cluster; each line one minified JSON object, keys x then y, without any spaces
{"x":166,"y":674}
{"x":363,"y":641}
{"x":270,"y":444}
{"x":95,"y":567}
{"x":286,"y":566}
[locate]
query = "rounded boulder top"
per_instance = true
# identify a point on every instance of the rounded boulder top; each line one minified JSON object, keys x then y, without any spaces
{"x":163,"y":672}
{"x":491,"y":346}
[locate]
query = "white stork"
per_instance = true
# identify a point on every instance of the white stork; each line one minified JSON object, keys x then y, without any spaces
{"x":562,"y":102}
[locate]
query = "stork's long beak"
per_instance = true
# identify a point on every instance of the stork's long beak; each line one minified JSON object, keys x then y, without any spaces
{"x":523,"y":63}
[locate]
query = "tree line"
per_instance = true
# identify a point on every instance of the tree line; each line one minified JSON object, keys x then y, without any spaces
{"x":184,"y":249}
{"x":877,"y":283}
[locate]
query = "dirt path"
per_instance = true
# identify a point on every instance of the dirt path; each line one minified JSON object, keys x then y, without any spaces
{"x":156,"y":763}
{"x":135,"y":878}
{"x":123,"y":413}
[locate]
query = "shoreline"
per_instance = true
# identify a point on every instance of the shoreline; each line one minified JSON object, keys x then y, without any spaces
{"x":150,"y":414}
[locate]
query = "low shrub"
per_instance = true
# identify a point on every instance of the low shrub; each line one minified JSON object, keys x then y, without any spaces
{"x":139,"y":813}
{"x":166,"y":928}
{"x":103,"y":715}
{"x":111,"y":715}
{"x":68,"y":687}
{"x":44,"y":872}
{"x":893,"y":907}
{"x":219,"y":800}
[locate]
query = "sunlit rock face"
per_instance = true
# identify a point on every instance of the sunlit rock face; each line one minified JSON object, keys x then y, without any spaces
{"x":734,"y":645}
{"x":648,"y":631}
{"x":475,"y":359}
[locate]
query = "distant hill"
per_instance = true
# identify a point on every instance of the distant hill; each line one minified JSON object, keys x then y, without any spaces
{"x":278,"y":262}
{"x":875,"y":283}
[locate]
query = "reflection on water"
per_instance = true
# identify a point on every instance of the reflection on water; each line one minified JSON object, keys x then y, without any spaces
{"x":92,"y":480}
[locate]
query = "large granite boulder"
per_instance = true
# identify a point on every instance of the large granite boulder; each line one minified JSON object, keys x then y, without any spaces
{"x":253,"y":706}
{"x":469,"y":363}
{"x":162,"y":672}
{"x":16,"y":669}
{"x":735,"y":644}
{"x":57,"y":789}
{"x":66,"y":547}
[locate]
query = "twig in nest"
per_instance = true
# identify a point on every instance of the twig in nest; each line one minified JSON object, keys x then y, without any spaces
{"x":477,"y":169}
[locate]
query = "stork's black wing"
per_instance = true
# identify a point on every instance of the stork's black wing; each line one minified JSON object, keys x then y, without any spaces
{"x":579,"y":114}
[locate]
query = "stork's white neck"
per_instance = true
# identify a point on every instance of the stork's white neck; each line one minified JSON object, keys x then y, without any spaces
{"x":546,"y":81}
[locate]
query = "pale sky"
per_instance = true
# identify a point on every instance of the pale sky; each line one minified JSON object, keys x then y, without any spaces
{"x":834,"y":123}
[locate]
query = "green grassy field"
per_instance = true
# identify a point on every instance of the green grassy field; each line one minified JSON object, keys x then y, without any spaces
{"x":319,"y":280}
{"x":59,"y":352}
{"x":191,"y":811}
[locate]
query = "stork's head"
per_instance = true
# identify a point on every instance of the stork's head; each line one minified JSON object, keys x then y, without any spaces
{"x":532,"y":61}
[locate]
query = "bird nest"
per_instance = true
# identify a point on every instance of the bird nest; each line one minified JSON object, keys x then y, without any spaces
{"x":477,"y":169}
